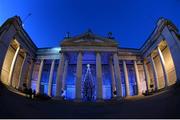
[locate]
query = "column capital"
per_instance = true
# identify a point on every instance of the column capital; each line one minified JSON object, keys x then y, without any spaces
{"x":149,"y":56}
{"x":158,"y":45}
{"x":53,"y":60}
{"x":33,"y":59}
{"x":124,"y":61}
{"x":115,"y":52}
{"x":144,"y":61}
{"x":42,"y":59}
{"x":98,"y":52}
{"x":80,"y":51}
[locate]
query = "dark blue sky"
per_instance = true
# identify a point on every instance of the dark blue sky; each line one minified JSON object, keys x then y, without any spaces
{"x":131,"y":21}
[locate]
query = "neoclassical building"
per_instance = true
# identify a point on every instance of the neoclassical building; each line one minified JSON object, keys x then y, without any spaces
{"x":90,"y":67}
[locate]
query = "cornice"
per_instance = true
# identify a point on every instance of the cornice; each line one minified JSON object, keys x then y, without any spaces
{"x":161,"y":24}
{"x":89,"y":39}
{"x":17,"y":23}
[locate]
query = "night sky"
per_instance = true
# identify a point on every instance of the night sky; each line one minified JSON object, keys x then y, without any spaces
{"x":130,"y":21}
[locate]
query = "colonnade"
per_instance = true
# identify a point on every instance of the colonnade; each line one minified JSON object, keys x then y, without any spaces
{"x":153,"y":66}
{"x":62,"y":72}
{"x":114,"y":69}
{"x":23,"y":69}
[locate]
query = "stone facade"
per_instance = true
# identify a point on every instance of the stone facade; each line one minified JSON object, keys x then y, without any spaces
{"x":116,"y":72}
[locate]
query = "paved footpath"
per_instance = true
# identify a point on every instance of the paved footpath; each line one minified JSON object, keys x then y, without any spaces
{"x":163,"y":105}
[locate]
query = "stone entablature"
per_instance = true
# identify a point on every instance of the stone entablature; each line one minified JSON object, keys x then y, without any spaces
{"x":156,"y":36}
{"x":89,"y":39}
{"x":89,"y":48}
{"x":48,"y":53}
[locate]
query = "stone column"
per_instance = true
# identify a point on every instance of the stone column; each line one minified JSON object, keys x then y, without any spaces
{"x":30,"y":73}
{"x":154,"y":73}
{"x":173,"y":43}
{"x":78,"y":76}
{"x":59,"y":76}
{"x":99,"y":88}
{"x":64,"y":74}
{"x":137,"y":77}
{"x":112,"y":77}
{"x":23,"y":71}
{"x":51,"y":77}
{"x":117,"y":75}
{"x":39,"y":76}
{"x":163,"y":66}
{"x":13,"y":65}
{"x":147,"y":78}
{"x":126,"y":78}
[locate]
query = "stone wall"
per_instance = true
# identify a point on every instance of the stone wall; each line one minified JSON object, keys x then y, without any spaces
{"x":17,"y":70}
{"x":7,"y":65}
{"x":169,"y":66}
{"x":160,"y":75}
{"x":150,"y":72}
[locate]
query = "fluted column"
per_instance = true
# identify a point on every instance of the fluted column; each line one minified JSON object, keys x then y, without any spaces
{"x":126,"y":78}
{"x":99,"y":88}
{"x":51,"y":77}
{"x":163,"y":66}
{"x":147,"y":78}
{"x":137,"y":77}
{"x":78,"y":76}
{"x":154,"y":73}
{"x":64,"y":74}
{"x":59,"y":76}
{"x":23,"y":71}
{"x":117,"y":75}
{"x":30,"y":74}
{"x":13,"y":66}
{"x":112,"y":77}
{"x":39,"y":76}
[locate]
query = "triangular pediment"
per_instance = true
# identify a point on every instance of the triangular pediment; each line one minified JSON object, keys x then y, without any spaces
{"x":89,"y":39}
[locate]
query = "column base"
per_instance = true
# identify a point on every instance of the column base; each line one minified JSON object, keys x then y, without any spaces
{"x":128,"y":96}
{"x":58,"y":98}
{"x":99,"y":100}
{"x":119,"y":98}
{"x":78,"y":100}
